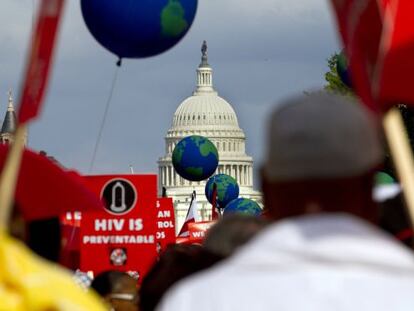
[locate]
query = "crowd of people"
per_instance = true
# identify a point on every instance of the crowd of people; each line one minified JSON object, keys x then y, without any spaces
{"x":322,"y":243}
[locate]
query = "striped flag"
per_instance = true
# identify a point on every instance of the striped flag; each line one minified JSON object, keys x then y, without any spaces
{"x":192,"y":216}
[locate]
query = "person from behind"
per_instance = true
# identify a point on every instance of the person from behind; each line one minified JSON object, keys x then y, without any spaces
{"x":118,"y":289}
{"x":175,"y":263}
{"x":324,"y":251}
{"x":231,"y":232}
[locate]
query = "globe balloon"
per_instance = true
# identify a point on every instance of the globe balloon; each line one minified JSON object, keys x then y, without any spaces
{"x":227,"y":189}
{"x":195,"y":158}
{"x":134,"y":29}
{"x":242,"y":206}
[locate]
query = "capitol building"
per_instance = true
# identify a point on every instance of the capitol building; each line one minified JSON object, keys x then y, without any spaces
{"x":205,"y":113}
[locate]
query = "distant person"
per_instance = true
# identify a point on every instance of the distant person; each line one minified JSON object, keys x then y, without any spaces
{"x":118,"y":289}
{"x":175,"y":263}
{"x":324,"y":252}
{"x":231,"y":232}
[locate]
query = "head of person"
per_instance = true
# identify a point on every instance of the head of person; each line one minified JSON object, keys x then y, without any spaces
{"x":322,"y":153}
{"x":175,"y":263}
{"x":231,"y":232}
{"x":118,"y":289}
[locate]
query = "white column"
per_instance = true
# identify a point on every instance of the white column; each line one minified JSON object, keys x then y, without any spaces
{"x":240,"y":174}
{"x":163,"y":175}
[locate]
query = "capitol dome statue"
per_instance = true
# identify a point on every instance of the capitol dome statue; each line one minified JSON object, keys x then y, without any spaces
{"x":205,"y":113}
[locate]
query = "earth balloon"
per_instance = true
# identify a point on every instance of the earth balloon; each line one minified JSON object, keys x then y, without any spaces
{"x":195,"y":158}
{"x":138,"y":28}
{"x":242,"y":206}
{"x":227,"y":189}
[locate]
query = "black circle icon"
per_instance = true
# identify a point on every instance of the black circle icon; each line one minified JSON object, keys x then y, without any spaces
{"x":119,"y":196}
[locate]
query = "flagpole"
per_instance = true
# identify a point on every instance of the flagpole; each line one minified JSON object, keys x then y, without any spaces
{"x":9,"y":176}
{"x":402,"y":155}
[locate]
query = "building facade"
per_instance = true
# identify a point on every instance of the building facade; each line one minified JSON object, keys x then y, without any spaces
{"x":205,"y":113}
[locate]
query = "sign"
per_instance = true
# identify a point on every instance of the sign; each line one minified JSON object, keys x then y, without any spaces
{"x":165,"y":223}
{"x":122,"y":236}
{"x":198,"y":230}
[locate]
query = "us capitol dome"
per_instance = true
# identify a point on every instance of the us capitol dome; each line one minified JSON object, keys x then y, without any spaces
{"x":205,"y":113}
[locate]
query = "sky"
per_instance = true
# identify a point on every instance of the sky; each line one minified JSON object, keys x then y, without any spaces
{"x":261,"y":52}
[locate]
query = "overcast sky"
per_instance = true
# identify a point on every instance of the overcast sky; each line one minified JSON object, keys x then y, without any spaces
{"x":260,"y":51}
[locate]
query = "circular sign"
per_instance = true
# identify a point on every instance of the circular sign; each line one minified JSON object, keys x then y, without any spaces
{"x":119,"y":196}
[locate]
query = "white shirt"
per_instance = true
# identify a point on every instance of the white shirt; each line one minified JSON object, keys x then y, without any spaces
{"x":325,"y":262}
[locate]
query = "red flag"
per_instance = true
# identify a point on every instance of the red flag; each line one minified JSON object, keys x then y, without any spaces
{"x":360,"y":25}
{"x":214,"y":214}
{"x":192,"y":216}
{"x":396,"y":64}
{"x":40,"y":58}
{"x":45,"y":190}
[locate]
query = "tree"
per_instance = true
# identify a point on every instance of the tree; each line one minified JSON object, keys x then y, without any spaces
{"x":334,"y":82}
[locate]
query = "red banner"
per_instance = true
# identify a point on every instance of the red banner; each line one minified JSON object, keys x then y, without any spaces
{"x":40,"y":58}
{"x":122,"y":235}
{"x":198,"y":230}
{"x":165,"y":223}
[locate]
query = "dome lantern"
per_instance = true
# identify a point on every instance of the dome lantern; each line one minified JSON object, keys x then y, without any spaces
{"x":204,"y":73}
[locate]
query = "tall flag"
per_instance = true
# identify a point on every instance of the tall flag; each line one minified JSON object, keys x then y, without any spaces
{"x":360,"y":25}
{"x":40,"y":59}
{"x":192,"y":216}
{"x":214,"y":213}
{"x":396,"y":63}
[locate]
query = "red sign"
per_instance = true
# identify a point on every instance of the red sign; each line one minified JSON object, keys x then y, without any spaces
{"x":122,"y":235}
{"x":40,"y":57}
{"x":198,"y":230}
{"x":165,"y":223}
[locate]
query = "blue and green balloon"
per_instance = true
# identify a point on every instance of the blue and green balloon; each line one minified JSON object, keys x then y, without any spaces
{"x":138,"y":28}
{"x":227,"y":189}
{"x":195,"y":158}
{"x":242,"y":206}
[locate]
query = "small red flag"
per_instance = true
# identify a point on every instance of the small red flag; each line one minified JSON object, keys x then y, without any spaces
{"x":214,"y":214}
{"x":40,"y":58}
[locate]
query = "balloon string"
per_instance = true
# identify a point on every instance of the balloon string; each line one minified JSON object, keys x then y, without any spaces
{"x":101,"y":128}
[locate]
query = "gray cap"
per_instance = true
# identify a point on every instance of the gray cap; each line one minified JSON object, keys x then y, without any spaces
{"x":321,"y":136}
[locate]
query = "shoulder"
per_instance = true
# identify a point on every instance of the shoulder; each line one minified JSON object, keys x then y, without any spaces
{"x":196,"y":291}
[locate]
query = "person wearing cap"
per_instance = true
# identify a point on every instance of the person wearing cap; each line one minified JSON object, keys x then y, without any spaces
{"x":324,"y":251}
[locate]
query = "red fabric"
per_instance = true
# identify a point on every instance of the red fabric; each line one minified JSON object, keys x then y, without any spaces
{"x":360,"y":25}
{"x":184,"y":232}
{"x":214,"y":214}
{"x":40,"y":57}
{"x":404,"y":234}
{"x":379,"y":40}
{"x":45,"y":190}
{"x":396,"y":54}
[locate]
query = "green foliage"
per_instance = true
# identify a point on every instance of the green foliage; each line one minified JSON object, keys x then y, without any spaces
{"x":334,"y":82}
